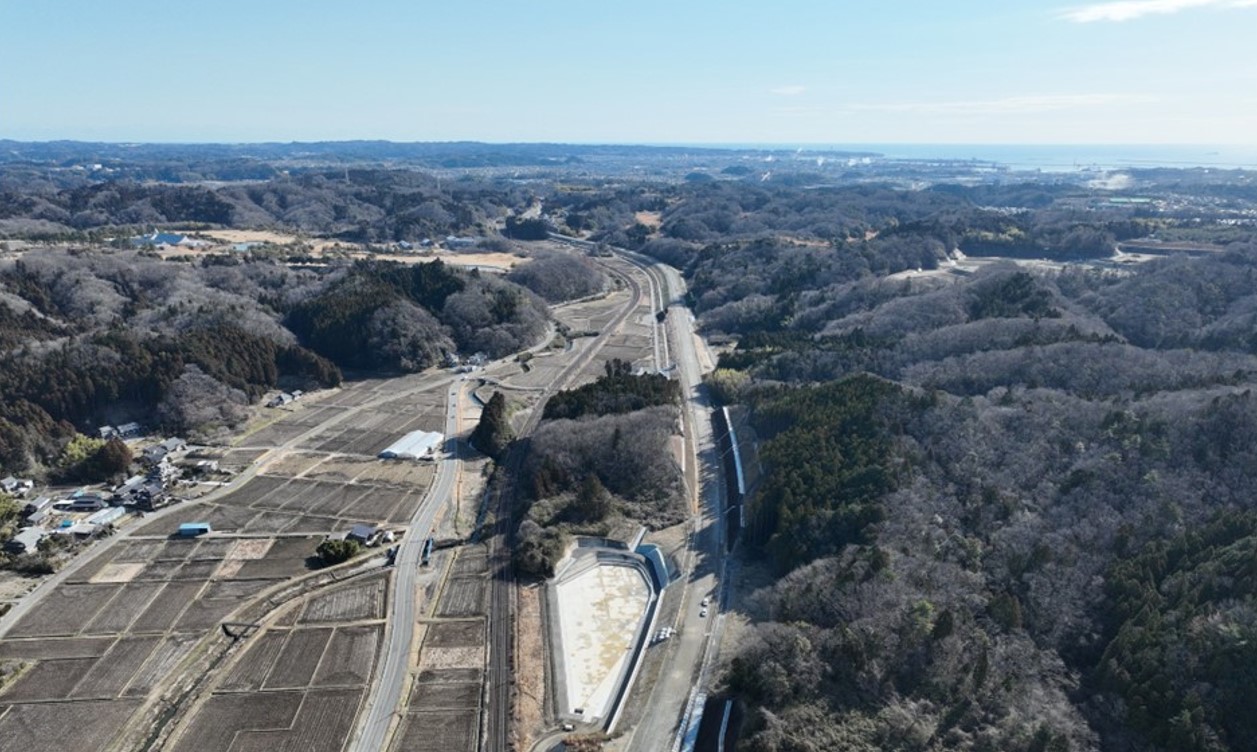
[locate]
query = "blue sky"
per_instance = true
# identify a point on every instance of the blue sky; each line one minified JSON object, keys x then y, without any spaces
{"x":649,"y":71}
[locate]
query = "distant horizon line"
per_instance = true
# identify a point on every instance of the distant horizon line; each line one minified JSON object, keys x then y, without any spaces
{"x":682,"y":144}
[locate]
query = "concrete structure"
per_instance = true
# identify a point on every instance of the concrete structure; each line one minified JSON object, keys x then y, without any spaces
{"x":603,"y":600}
{"x":414,"y":446}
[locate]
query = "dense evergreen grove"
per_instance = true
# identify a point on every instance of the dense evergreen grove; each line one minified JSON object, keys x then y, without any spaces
{"x":619,"y":390}
{"x":493,"y":433}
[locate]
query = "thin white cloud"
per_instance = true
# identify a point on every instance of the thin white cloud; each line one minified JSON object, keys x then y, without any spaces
{"x":793,"y":90}
{"x":1129,"y":10}
{"x":1010,"y":105}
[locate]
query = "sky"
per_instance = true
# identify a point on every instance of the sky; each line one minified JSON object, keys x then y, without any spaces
{"x":647,"y":71}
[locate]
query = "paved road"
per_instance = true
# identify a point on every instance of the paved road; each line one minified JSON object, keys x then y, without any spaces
{"x":691,"y":652}
{"x":386,"y":691}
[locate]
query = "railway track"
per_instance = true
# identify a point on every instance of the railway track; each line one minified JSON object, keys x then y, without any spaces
{"x":497,"y":736}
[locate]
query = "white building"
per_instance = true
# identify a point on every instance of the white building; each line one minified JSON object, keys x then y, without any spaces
{"x":414,"y":446}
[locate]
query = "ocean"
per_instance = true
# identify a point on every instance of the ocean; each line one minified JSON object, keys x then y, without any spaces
{"x":1051,"y":157}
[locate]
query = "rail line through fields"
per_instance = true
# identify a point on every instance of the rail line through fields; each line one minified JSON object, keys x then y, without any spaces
{"x":498,"y":720}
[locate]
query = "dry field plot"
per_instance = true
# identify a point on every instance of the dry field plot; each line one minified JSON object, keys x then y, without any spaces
{"x":453,"y":675}
{"x":164,"y":610}
{"x":118,"y":614}
{"x":398,"y":473}
{"x":455,"y":634}
{"x":320,"y":525}
{"x":56,"y":727}
{"x":165,"y":658}
{"x":471,"y":560}
{"x":463,"y":596}
{"x":221,"y":717}
{"x":445,"y":696}
{"x":359,"y":602}
{"x":238,"y":459}
{"x":48,"y":680}
{"x":115,"y":670}
{"x":43,"y":649}
{"x":439,"y":731}
{"x":349,"y":657}
{"x":322,"y":724}
{"x":65,"y":611}
{"x":293,"y":463}
{"x":299,"y":658}
{"x":251,"y":669}
{"x":258,"y":487}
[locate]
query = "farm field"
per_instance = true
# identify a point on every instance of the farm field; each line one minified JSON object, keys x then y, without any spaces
{"x":298,"y":681}
{"x":148,"y":609}
{"x":443,"y":709}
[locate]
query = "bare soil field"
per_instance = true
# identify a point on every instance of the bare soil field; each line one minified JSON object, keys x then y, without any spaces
{"x":56,"y":727}
{"x":293,"y":463}
{"x":221,"y":717}
{"x":471,"y":560}
{"x":322,"y":724}
{"x":439,"y":731}
{"x":309,"y":524}
{"x":46,"y":649}
{"x":247,"y":236}
{"x":48,"y":680}
{"x":530,"y":668}
{"x":361,"y":601}
{"x":114,"y":671}
{"x":462,"y":596}
{"x":455,"y":634}
{"x":299,"y":659}
{"x":350,"y":657}
{"x":238,"y":459}
{"x":118,"y":614}
{"x":164,"y":610}
{"x":454,"y":675}
{"x":64,"y":612}
{"x":398,"y":473}
{"x":251,"y":669}
{"x":165,"y":657}
{"x":445,"y":696}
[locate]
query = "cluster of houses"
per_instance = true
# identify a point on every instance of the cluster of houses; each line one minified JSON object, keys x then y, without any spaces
{"x":86,"y":513}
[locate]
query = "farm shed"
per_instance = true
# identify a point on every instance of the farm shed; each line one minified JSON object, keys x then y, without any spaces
{"x":413,"y":446}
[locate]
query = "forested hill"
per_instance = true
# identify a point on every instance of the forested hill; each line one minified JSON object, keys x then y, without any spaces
{"x":1009,"y":511}
{"x":90,"y":338}
{"x":354,"y":204}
